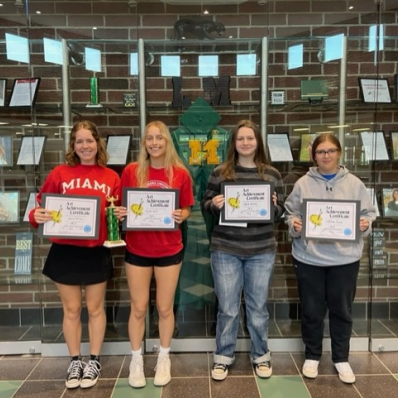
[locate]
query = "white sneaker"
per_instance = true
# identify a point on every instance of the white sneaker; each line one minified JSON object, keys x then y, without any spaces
{"x":310,"y":368}
{"x":137,"y":376}
{"x":346,"y":374}
{"x":162,"y":375}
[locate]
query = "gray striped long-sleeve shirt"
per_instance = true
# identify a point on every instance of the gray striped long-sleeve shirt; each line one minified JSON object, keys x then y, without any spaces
{"x":255,"y":238}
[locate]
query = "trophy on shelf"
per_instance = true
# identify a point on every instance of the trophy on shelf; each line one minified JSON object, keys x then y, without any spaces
{"x":113,"y":225}
{"x":94,"y":93}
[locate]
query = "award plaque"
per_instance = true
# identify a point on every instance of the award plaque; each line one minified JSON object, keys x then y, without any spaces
{"x":113,"y":225}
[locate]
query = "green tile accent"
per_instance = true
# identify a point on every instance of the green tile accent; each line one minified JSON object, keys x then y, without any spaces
{"x":123,"y":390}
{"x":8,"y":388}
{"x":282,"y":387}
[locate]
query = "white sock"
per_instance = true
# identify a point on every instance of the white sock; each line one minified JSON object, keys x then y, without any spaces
{"x":164,"y":351}
{"x":136,"y":353}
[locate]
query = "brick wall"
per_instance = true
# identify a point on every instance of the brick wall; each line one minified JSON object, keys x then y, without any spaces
{"x":118,"y":27}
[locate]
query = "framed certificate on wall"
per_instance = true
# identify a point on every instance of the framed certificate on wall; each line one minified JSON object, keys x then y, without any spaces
{"x":31,"y":150}
{"x":374,"y":145}
{"x":374,"y":90}
{"x":118,"y":148}
{"x":24,"y":92}
{"x":279,"y":147}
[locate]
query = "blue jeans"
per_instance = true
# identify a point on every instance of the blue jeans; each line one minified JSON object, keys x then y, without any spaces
{"x":232,"y":274}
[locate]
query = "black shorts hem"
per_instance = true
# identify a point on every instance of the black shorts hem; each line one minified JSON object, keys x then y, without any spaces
{"x":141,"y":261}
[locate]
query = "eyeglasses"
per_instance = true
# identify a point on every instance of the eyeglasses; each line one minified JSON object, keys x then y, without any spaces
{"x":321,"y":152}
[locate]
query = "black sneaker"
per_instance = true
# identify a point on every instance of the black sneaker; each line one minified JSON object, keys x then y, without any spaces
{"x":75,"y":373}
{"x":219,"y":371}
{"x":91,"y":374}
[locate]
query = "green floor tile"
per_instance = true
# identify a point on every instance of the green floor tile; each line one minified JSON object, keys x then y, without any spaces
{"x":123,"y":390}
{"x":8,"y":388}
{"x":283,"y":387}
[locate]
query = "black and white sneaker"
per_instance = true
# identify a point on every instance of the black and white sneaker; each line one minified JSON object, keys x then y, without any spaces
{"x":75,"y":373}
{"x":91,"y":373}
{"x":219,"y":371}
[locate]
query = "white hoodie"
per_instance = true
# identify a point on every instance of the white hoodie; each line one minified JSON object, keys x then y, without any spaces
{"x":344,"y":186}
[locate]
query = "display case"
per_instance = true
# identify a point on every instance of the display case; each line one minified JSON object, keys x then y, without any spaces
{"x":283,"y":77}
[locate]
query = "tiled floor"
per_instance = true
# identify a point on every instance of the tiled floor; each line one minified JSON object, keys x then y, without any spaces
{"x":36,"y":377}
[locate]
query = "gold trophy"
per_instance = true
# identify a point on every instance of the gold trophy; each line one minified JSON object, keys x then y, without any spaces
{"x":113,"y":225}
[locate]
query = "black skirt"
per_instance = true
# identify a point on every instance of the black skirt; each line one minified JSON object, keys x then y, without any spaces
{"x":75,"y":265}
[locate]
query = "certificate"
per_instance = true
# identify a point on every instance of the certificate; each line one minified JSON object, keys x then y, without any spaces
{"x":74,"y":217}
{"x":374,"y":90}
{"x":374,"y":145}
{"x":31,"y":150}
{"x":24,"y":92}
{"x":333,"y":220}
{"x":118,"y":147}
{"x":150,"y":209}
{"x":279,"y":148}
{"x":249,"y":202}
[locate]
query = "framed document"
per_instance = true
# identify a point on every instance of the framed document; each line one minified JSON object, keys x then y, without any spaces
{"x":118,"y":148}
{"x":374,"y":90}
{"x":9,"y":207}
{"x":30,"y":204}
{"x":73,"y":217}
{"x":150,"y":209}
{"x":374,"y":145}
{"x":6,"y":151}
{"x":394,"y":145}
{"x":279,"y":147}
{"x":31,"y":150}
{"x":305,"y":154}
{"x":3,"y":90}
{"x":24,"y":92}
{"x":249,"y":202}
{"x":331,"y":219}
{"x":390,"y":202}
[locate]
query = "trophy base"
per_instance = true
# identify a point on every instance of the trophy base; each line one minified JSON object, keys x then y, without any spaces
{"x":114,"y":243}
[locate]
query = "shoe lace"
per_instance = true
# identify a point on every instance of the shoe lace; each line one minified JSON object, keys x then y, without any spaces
{"x":136,"y":366}
{"x":162,"y":363}
{"x":220,"y":366}
{"x":75,"y":369}
{"x":344,"y":367}
{"x":92,"y":370}
{"x":266,"y":364}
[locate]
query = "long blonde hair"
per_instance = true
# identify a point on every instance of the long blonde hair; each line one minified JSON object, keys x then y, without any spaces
{"x":171,"y":156}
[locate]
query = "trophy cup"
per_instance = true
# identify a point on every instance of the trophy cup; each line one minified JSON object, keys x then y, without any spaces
{"x":113,"y":225}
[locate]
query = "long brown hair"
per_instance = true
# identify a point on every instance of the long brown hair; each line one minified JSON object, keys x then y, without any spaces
{"x":171,"y":157}
{"x":260,"y":158}
{"x":71,"y":157}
